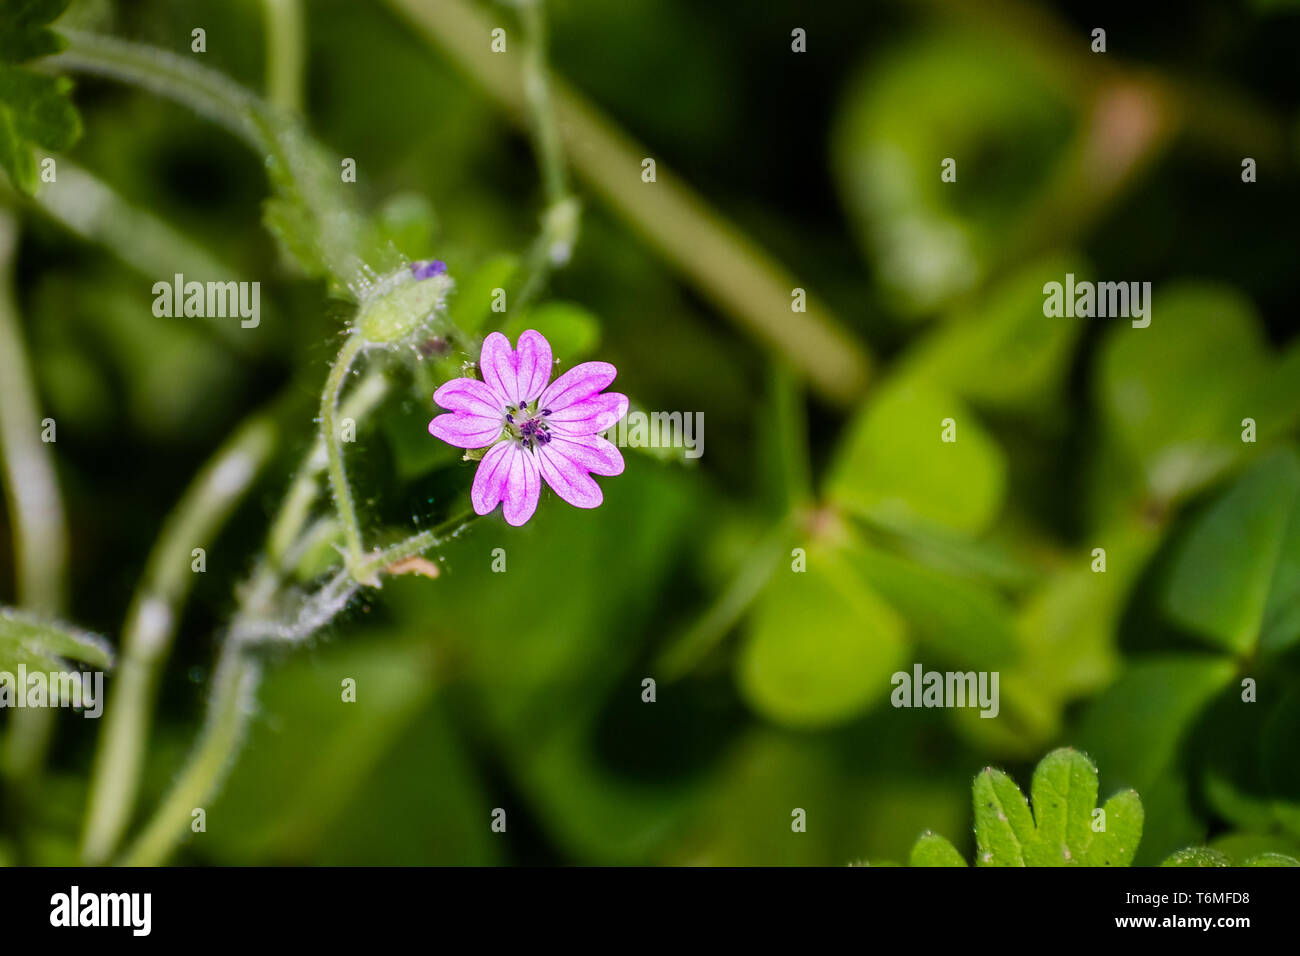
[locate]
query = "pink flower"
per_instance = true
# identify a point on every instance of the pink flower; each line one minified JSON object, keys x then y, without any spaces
{"x":535,"y":430}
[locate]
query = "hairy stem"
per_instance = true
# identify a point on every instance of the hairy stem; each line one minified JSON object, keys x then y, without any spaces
{"x":35,"y":507}
{"x":329,"y":406}
{"x":233,"y":688}
{"x":151,"y":629}
{"x":293,"y":514}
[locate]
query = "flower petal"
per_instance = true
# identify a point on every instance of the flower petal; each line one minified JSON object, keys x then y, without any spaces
{"x":516,"y":376}
{"x":496,"y":362}
{"x":577,"y":385}
{"x":490,"y":479}
{"x":588,"y":452}
{"x":466,"y":431}
{"x":469,"y":395}
{"x":523,"y":487}
{"x":569,"y":480}
{"x":533,"y":365}
{"x":596,"y":414}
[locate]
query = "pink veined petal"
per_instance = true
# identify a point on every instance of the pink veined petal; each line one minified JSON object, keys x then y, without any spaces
{"x":469,"y":395}
{"x":523,"y":486}
{"x":587,"y":418}
{"x":490,"y":479}
{"x":568,"y":479}
{"x":497,"y":363}
{"x":533,"y":365}
{"x":589,"y":452}
{"x":577,"y":385}
{"x":465,"y":430}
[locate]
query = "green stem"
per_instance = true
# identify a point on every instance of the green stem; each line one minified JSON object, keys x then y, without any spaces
{"x":284,"y":53}
{"x":288,"y":524}
{"x":234,"y":685}
{"x":329,"y":405}
{"x":151,"y":629}
{"x":537,"y":91}
{"x":726,"y":267}
{"x":35,"y":507}
{"x":417,"y":544}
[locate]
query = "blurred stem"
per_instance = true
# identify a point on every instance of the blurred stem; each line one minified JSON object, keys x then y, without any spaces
{"x":284,"y":53}
{"x":151,"y":628}
{"x":537,"y":90}
{"x":791,"y":443}
{"x":302,"y":494}
{"x":292,"y":159}
{"x":683,"y":654}
{"x":35,"y":508}
{"x":417,"y":544}
{"x":234,"y":685}
{"x":738,"y":277}
{"x":560,"y":220}
{"x":329,"y":406}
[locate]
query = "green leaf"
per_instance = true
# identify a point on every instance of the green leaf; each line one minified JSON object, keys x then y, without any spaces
{"x":24,"y":29}
{"x":1176,"y":392}
{"x":971,"y":624}
{"x":1271,"y":859}
{"x":39,"y":643}
{"x":934,"y":850}
{"x":821,"y":646}
{"x":34,"y":107}
{"x":1060,"y":830}
{"x":999,"y":351}
{"x":574,"y":333}
{"x":1136,"y":729}
{"x":947,"y":94}
{"x":1197,"y":856}
{"x":894,"y":469}
{"x":1236,"y":579}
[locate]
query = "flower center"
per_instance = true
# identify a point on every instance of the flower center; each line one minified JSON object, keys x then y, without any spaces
{"x":527,"y":424}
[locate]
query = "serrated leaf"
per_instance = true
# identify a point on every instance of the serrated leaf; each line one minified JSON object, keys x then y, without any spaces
{"x":934,"y":850}
{"x":1197,"y":857}
{"x":1236,"y":579}
{"x":36,"y":642}
{"x":1271,"y":859}
{"x":1060,"y":829}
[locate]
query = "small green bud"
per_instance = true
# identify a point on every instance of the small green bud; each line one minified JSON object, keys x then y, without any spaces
{"x":399,"y":306}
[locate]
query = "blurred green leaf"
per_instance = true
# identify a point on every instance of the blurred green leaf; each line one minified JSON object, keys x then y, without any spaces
{"x":41,"y":643}
{"x":1177,"y":391}
{"x":893,"y":468}
{"x":574,"y":333}
{"x":1236,"y":579}
{"x":1136,"y":729}
{"x":1281,"y":768}
{"x":970,"y":624}
{"x":821,"y":646}
{"x":471,"y":304}
{"x":947,"y":95}
{"x":1000,"y":351}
